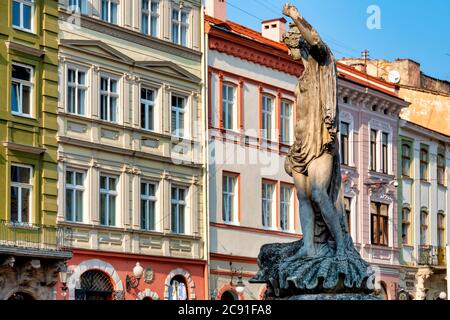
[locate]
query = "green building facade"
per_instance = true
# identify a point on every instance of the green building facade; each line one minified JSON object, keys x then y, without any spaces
{"x":32,"y":248}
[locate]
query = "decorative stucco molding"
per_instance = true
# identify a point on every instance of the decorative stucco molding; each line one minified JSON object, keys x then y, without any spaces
{"x":93,"y":264}
{"x":187,"y":277}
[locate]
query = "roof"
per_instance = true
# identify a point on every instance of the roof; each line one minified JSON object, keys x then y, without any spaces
{"x":368,"y":81}
{"x":246,"y":32}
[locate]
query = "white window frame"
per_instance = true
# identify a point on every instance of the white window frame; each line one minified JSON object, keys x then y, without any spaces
{"x":148,"y":199}
{"x":23,"y":3}
{"x":149,"y":104}
{"x":267,"y":114}
{"x":79,"y":6}
{"x":229,"y":106}
{"x":268,"y":203}
{"x":179,"y":132}
{"x":22,"y":83}
{"x":109,"y":94}
{"x":286,"y":119}
{"x":232,"y":195}
{"x":110,"y":4}
{"x":177,"y":202}
{"x":74,"y":187}
{"x":20,"y":187}
{"x":177,"y":23}
{"x":77,"y":87}
{"x":109,"y":193}
{"x":290,"y":207}
{"x":150,"y":15}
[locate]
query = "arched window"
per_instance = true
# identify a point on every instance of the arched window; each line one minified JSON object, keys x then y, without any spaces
{"x":441,"y":168}
{"x":178,"y":288}
{"x":406,"y":226}
{"x":441,"y":229}
{"x":424,"y":227}
{"x":406,"y":160}
{"x":94,"y":285}
{"x":424,"y":163}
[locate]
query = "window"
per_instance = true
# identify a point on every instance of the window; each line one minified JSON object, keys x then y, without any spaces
{"x":267,"y":110}
{"x":22,"y":14}
{"x":177,"y":118}
{"x":441,"y":230}
{"x":384,"y":153}
{"x":21,"y":90}
{"x":178,"y":209}
{"x":108,"y":99}
{"x":373,"y":150}
{"x":345,"y":130}
{"x":76,"y":91}
{"x":441,"y":168}
{"x":78,"y":6}
{"x":108,"y":195}
{"x":229,"y":198}
{"x":150,"y":16}
{"x":228,"y":103}
{"x":267,"y":202}
{"x":74,"y":195}
{"x":179,"y":26}
{"x":424,"y":240}
{"x":379,"y":220}
{"x":147,"y":109}
{"x":424,"y":163}
{"x":285,"y":122}
{"x":109,"y":11}
{"x":21,"y":191}
{"x":406,"y":160}
{"x":178,"y":288}
{"x":348,"y":211}
{"x":148,"y":205}
{"x":285,"y":207}
{"x":406,"y":226}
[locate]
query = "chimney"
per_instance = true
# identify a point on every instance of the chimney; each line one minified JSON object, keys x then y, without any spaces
{"x":274,"y":29}
{"x":216,"y":9}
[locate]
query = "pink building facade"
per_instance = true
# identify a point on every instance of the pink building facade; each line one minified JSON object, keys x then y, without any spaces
{"x":369,"y":110}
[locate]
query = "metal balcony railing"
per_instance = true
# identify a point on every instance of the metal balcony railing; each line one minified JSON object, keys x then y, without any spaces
{"x":431,"y":256}
{"x":35,"y":236}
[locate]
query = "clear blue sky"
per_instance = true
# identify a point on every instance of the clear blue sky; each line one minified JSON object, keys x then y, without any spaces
{"x":415,"y":29}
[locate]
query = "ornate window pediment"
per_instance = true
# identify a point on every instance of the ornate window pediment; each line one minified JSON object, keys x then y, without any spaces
{"x":170,"y":68}
{"x":97,"y":48}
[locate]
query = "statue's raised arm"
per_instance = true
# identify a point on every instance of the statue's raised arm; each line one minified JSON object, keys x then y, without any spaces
{"x":306,"y":30}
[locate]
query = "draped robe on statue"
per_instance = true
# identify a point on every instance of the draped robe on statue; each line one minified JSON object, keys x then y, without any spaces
{"x":317,"y":122}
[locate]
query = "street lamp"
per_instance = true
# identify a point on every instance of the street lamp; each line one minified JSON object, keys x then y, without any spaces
{"x":240,"y":286}
{"x":133,"y":280}
{"x":63,"y":275}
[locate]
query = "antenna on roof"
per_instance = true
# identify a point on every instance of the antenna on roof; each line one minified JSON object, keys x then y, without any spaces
{"x":365,"y":55}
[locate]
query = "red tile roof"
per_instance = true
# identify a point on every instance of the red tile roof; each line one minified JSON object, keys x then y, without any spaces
{"x":245,"y":32}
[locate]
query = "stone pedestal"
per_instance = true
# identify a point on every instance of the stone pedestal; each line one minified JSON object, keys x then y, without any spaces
{"x":342,"y":296}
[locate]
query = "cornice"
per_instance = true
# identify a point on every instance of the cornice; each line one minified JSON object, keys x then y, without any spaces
{"x":134,"y":36}
{"x":23,"y":148}
{"x":123,"y":151}
{"x":252,"y":51}
{"x":366,"y":98}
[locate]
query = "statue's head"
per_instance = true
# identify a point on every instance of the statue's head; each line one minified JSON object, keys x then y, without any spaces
{"x":293,"y":41}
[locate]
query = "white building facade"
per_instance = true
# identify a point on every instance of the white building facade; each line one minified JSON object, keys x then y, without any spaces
{"x":251,"y":199}
{"x":131,"y":147}
{"x":425,"y":198}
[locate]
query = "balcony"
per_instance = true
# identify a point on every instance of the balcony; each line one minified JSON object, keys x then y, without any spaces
{"x":431,"y":256}
{"x":35,"y":240}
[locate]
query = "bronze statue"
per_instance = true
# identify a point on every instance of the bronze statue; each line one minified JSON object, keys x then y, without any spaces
{"x":324,"y":261}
